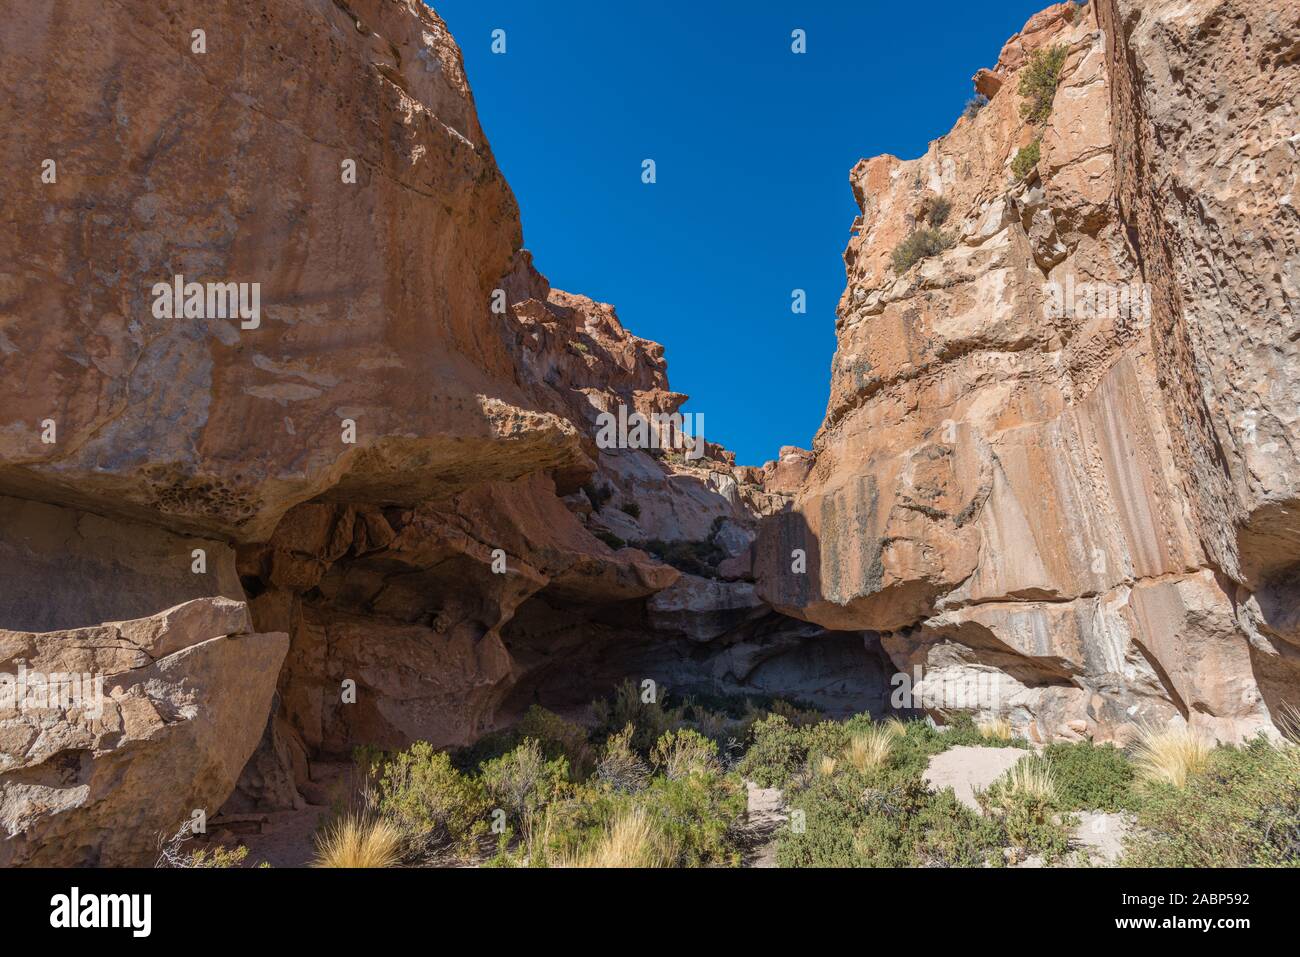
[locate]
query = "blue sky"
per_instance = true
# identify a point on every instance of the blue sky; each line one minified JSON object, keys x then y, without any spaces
{"x":752,"y":145}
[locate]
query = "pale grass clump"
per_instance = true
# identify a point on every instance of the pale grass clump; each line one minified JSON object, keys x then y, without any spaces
{"x":1288,"y":722}
{"x":896,"y":728}
{"x":1033,"y":778}
{"x":1170,"y":755}
{"x":995,"y":729}
{"x":630,"y":840}
{"x":870,"y":749}
{"x":826,"y":766}
{"x":357,"y":841}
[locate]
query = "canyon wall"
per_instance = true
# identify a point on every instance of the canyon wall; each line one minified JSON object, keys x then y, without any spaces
{"x":1080,"y":516}
{"x":369,"y":511}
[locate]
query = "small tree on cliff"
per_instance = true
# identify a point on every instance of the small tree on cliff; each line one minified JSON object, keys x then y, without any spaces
{"x":1038,"y":82}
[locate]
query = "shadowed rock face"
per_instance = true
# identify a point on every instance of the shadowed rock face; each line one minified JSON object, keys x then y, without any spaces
{"x":1093,"y":508}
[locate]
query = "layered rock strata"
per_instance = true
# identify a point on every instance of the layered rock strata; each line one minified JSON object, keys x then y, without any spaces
{"x":1057,"y":466}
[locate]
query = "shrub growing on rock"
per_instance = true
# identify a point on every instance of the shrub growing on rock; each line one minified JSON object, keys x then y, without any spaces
{"x":1026,"y":159}
{"x":1038,"y":82}
{"x":920,"y":244}
{"x":974,"y":105}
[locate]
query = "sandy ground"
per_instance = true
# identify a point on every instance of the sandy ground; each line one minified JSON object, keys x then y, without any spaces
{"x":766,"y":809}
{"x":969,"y":769}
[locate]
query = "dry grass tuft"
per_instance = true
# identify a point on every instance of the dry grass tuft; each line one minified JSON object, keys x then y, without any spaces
{"x":1033,"y":777}
{"x":356,"y":841}
{"x":1170,"y":755}
{"x":870,"y":749}
{"x":995,"y":729}
{"x":630,"y":840}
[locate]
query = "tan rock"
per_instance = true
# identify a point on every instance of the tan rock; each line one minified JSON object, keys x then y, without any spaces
{"x":172,"y":707}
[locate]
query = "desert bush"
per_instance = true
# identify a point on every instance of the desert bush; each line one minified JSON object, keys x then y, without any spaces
{"x":974,"y":105}
{"x":937,"y":211}
{"x":597,"y":495}
{"x":921,"y":243}
{"x":610,"y":539}
{"x":779,"y":750}
{"x":620,"y":767}
{"x":649,"y":719}
{"x":1090,"y":777}
{"x":693,"y":557}
{"x":1038,"y":82}
{"x":1241,"y":808}
{"x":1169,"y":755}
{"x":219,"y":857}
{"x":886,"y":819}
{"x":701,"y":815}
{"x":630,"y":840}
{"x":431,"y":803}
{"x":523,"y":781}
{"x":355,"y":841}
{"x":1025,"y":802}
{"x":1026,"y":159}
{"x":558,"y":737}
{"x":684,"y":752}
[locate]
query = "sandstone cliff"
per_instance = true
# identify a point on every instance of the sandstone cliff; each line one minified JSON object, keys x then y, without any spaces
{"x":1088,"y":513}
{"x":390,"y":456}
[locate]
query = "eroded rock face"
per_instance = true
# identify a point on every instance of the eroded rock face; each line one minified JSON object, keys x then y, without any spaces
{"x":1017,"y":485}
{"x":156,"y":720}
{"x":234,"y":166}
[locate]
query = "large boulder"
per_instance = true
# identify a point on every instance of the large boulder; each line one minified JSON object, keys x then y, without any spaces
{"x":111,"y":737}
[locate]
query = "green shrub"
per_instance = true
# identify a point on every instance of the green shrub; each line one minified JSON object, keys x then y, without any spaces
{"x":432,"y":803}
{"x":631,"y":508}
{"x":1026,"y":159}
{"x":702,"y":815}
{"x":1241,"y":810}
{"x":1026,"y":803}
{"x":610,"y":539}
{"x":776,"y":752}
{"x":684,"y":752}
{"x":886,"y":819}
{"x":699,"y":819}
{"x":597,"y":496}
{"x":1038,"y":81}
{"x":649,"y":719}
{"x":557,"y":736}
{"x":620,"y":767}
{"x":780,"y":752}
{"x":523,"y":781}
{"x":1092,"y":778}
{"x":920,"y":244}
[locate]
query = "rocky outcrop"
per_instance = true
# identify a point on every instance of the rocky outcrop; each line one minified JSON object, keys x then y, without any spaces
{"x":1081,"y":510}
{"x":113,"y":736}
{"x":268,"y":335}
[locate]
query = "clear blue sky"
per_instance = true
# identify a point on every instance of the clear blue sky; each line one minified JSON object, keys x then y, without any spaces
{"x":753,"y":145}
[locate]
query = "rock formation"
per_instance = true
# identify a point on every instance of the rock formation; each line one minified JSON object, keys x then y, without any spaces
{"x":1088,"y":512}
{"x":270,"y":344}
{"x":299,"y":452}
